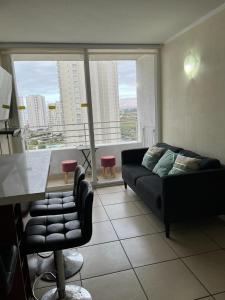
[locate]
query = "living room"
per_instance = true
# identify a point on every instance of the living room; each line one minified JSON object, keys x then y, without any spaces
{"x":142,"y":260}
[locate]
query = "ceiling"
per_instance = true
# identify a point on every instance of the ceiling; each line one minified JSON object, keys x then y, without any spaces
{"x":98,"y":21}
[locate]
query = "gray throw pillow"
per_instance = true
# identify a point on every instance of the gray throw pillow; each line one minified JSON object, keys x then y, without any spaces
{"x":152,"y":156}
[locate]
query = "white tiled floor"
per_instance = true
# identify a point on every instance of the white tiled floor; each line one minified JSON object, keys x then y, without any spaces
{"x":129,"y":257}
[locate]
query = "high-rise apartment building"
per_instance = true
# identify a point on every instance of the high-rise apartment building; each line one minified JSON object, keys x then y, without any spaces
{"x":105,"y":100}
{"x":55,"y":116}
{"x":36,"y":111}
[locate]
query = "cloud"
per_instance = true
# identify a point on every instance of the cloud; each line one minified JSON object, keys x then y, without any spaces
{"x":41,"y":78}
{"x":127,"y":78}
{"x":37,"y":77}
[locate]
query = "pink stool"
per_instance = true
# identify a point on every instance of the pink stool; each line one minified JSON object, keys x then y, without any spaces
{"x":108,"y":162}
{"x":68,"y":166}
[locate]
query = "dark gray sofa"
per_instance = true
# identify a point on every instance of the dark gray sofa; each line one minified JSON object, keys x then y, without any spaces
{"x":178,"y":197}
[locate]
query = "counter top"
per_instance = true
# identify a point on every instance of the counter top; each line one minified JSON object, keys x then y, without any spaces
{"x":23,"y":177}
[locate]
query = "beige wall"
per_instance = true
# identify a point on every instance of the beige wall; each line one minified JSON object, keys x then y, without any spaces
{"x":193,"y":110}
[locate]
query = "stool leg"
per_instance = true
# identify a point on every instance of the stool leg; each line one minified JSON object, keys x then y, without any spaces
{"x":60,"y":274}
{"x":73,"y":261}
{"x":66,"y":177}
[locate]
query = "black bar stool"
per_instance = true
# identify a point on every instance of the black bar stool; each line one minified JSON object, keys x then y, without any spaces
{"x":54,"y":204}
{"x":8,"y":261}
{"x":55,"y":233}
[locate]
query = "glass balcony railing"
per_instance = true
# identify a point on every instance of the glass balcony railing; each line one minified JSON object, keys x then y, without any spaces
{"x":73,"y":135}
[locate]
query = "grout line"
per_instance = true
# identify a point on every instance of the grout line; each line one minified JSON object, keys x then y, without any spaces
{"x":182,"y":261}
{"x":129,"y":260}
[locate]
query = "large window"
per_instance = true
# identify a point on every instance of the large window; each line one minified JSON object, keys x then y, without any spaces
{"x":52,"y":101}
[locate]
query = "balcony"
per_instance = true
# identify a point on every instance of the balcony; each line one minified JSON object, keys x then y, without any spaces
{"x":64,"y":141}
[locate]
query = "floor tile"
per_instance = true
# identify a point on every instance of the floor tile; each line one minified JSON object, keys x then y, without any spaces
{"x":122,"y":210}
{"x":132,"y":194}
{"x":110,"y":189}
{"x":133,"y":226}
{"x":147,"y":249}
{"x":41,"y":291}
{"x":142,"y":207}
{"x":115,"y":198}
{"x":122,"y":285}
{"x":156,"y":222}
{"x":216,"y":231}
{"x":190,"y":242}
{"x":103,"y":259}
{"x":99,"y":214}
{"x":102,"y":232}
{"x":210,"y":269}
{"x":170,"y":281}
{"x":219,"y":296}
{"x":97,"y":201}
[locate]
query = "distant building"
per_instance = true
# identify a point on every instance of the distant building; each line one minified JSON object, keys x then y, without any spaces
{"x":105,"y":101}
{"x":55,"y":115}
{"x":36,"y":111}
{"x":23,"y":116}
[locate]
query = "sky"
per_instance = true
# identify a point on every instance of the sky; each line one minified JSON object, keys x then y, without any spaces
{"x":40,"y":78}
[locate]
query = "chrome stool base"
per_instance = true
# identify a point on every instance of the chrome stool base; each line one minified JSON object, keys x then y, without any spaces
{"x":73,"y":262}
{"x":72,"y":292}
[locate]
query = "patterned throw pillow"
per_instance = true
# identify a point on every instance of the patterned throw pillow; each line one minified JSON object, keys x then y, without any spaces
{"x":184,"y":164}
{"x":152,"y":156}
{"x":165,"y":163}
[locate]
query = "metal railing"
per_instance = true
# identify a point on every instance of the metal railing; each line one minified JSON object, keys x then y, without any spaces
{"x":73,"y":135}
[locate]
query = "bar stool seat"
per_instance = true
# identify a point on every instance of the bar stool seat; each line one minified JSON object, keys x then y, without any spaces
{"x":53,"y":204}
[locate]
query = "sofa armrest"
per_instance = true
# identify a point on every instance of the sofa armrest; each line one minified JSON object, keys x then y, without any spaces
{"x":194,"y":194}
{"x":133,"y":155}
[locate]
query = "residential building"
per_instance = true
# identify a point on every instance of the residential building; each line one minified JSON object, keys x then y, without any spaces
{"x":36,"y":111}
{"x":105,"y":100}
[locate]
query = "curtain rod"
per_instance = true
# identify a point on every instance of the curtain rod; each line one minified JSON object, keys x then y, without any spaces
{"x":17,"y":45}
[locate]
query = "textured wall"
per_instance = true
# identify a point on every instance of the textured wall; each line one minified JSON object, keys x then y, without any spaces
{"x":193,"y":110}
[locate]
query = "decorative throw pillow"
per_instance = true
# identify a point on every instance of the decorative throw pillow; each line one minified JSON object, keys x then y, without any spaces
{"x":152,"y":156}
{"x":165,"y":164}
{"x":184,"y":164}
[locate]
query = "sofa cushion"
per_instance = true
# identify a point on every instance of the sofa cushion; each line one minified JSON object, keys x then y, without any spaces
{"x":169,"y":147}
{"x":131,"y":172}
{"x":152,"y":156}
{"x":184,"y":164}
{"x":150,"y":189}
{"x":165,"y":163}
{"x":206,"y":163}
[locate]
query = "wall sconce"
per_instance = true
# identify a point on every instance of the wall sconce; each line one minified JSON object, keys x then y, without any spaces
{"x":191,"y":65}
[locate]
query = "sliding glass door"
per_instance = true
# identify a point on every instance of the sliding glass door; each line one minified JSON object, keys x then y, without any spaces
{"x":123,"y":104}
{"x":88,"y":106}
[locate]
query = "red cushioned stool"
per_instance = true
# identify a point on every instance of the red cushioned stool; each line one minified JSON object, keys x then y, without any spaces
{"x":108,"y":162}
{"x":68,"y":166}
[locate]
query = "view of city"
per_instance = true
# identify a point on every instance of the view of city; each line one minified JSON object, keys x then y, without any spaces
{"x":52,"y":102}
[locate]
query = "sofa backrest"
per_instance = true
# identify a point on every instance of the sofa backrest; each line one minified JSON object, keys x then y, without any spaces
{"x":206,"y":162}
{"x":169,"y":147}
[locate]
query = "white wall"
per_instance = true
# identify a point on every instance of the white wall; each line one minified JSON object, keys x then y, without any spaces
{"x":193,"y":110}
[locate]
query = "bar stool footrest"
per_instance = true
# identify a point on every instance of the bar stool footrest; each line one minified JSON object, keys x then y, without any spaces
{"x":72,"y":292}
{"x":73,"y":262}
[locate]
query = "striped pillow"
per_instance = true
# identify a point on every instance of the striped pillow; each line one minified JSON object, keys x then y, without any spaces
{"x":152,"y":156}
{"x":184,"y":164}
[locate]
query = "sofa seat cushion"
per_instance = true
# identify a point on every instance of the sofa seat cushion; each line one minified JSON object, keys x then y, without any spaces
{"x":131,"y":172}
{"x":150,"y":189}
{"x":206,"y":162}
